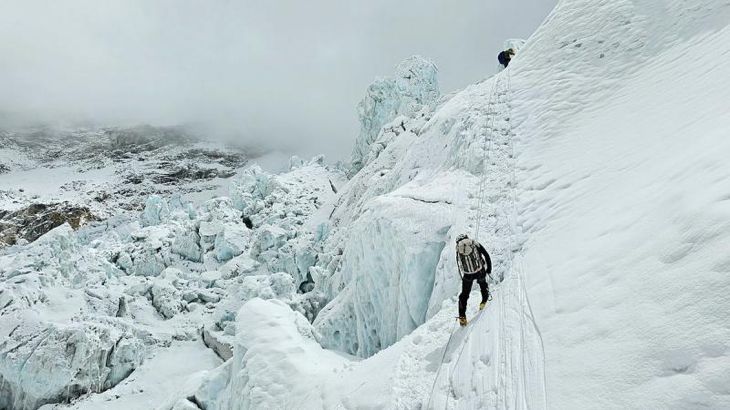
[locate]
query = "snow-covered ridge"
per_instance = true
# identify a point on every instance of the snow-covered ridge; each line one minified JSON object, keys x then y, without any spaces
{"x":621,"y":116}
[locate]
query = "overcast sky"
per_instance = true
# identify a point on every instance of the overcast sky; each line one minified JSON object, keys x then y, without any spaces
{"x":283,"y":72}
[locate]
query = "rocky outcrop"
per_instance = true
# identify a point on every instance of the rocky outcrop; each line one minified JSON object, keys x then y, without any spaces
{"x":145,"y":138}
{"x":30,"y":223}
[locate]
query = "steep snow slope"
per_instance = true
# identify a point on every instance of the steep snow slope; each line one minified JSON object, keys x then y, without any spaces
{"x":622,"y":113}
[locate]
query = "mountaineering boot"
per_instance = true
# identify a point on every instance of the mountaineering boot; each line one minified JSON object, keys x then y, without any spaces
{"x":481,"y":305}
{"x":462,"y":320}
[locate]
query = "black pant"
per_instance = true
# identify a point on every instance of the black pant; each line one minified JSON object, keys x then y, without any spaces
{"x":466,"y":282}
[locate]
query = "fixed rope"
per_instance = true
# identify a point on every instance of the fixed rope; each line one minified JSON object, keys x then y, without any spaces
{"x":518,"y":267}
{"x":458,"y":357}
{"x":486,"y":148}
{"x":438,"y":372}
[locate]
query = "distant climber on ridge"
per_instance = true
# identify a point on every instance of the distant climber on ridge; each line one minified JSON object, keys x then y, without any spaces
{"x":474,"y":263}
{"x":505,"y":57}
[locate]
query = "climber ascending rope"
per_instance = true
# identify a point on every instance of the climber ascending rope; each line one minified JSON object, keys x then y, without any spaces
{"x":474,"y":264}
{"x":468,"y":275}
{"x":472,"y":259}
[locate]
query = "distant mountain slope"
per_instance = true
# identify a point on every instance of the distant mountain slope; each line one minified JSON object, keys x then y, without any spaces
{"x":51,"y":176}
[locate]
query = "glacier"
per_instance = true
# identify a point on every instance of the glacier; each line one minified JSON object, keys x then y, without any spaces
{"x":592,"y":169}
{"x":82,"y":310}
{"x":539,"y":157}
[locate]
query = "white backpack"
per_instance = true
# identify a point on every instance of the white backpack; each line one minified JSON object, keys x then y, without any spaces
{"x":468,"y":257}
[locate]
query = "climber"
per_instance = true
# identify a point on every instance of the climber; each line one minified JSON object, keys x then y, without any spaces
{"x":505,"y":56}
{"x":474,"y":263}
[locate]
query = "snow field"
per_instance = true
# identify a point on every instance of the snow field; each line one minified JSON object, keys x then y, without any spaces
{"x":621,"y":178}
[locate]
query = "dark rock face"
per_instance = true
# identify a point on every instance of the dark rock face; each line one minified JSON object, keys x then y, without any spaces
{"x":31,"y":222}
{"x":189,"y":172}
{"x":144,"y":138}
{"x":225,"y":159}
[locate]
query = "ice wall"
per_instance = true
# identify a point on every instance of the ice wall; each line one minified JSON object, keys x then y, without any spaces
{"x":388,"y":270}
{"x":60,"y":335}
{"x":46,"y":364}
{"x":430,"y":167}
{"x":415,"y":85}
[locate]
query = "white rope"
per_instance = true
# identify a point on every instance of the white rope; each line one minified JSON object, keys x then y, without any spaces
{"x":518,"y":267}
{"x":486,"y":148}
{"x":443,"y":356}
{"x":461,"y":352}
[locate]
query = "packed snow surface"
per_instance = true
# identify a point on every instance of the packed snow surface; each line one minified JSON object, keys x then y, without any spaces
{"x":623,"y":175}
{"x":593,"y":169}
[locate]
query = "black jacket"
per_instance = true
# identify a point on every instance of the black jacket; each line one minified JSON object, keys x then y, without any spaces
{"x":485,"y":255}
{"x":504,"y":57}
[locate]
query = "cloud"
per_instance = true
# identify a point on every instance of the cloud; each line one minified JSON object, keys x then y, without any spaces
{"x":287,"y":73}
